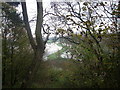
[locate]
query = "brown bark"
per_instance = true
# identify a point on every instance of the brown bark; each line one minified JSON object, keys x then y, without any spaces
{"x":39,"y":40}
{"x":30,"y":73}
{"x":27,"y":26}
{"x":38,"y":47}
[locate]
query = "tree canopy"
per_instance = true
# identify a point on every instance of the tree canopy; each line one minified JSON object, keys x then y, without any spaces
{"x":86,"y":31}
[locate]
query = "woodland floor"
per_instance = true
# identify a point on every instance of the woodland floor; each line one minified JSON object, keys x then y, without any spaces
{"x":54,"y":74}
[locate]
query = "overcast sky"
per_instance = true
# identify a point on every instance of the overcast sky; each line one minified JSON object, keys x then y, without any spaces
{"x":32,"y":10}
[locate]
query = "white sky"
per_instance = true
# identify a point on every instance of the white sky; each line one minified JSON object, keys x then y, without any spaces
{"x":32,"y":10}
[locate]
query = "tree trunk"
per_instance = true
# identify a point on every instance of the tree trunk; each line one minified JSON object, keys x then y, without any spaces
{"x":38,"y":46}
{"x":32,"y":69}
{"x":27,"y":26}
{"x":4,"y":53}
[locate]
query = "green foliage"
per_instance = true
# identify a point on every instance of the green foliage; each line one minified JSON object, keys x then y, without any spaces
{"x":95,"y":57}
{"x":96,"y":50}
{"x":91,"y":71}
{"x":84,"y":8}
{"x":17,"y":54}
